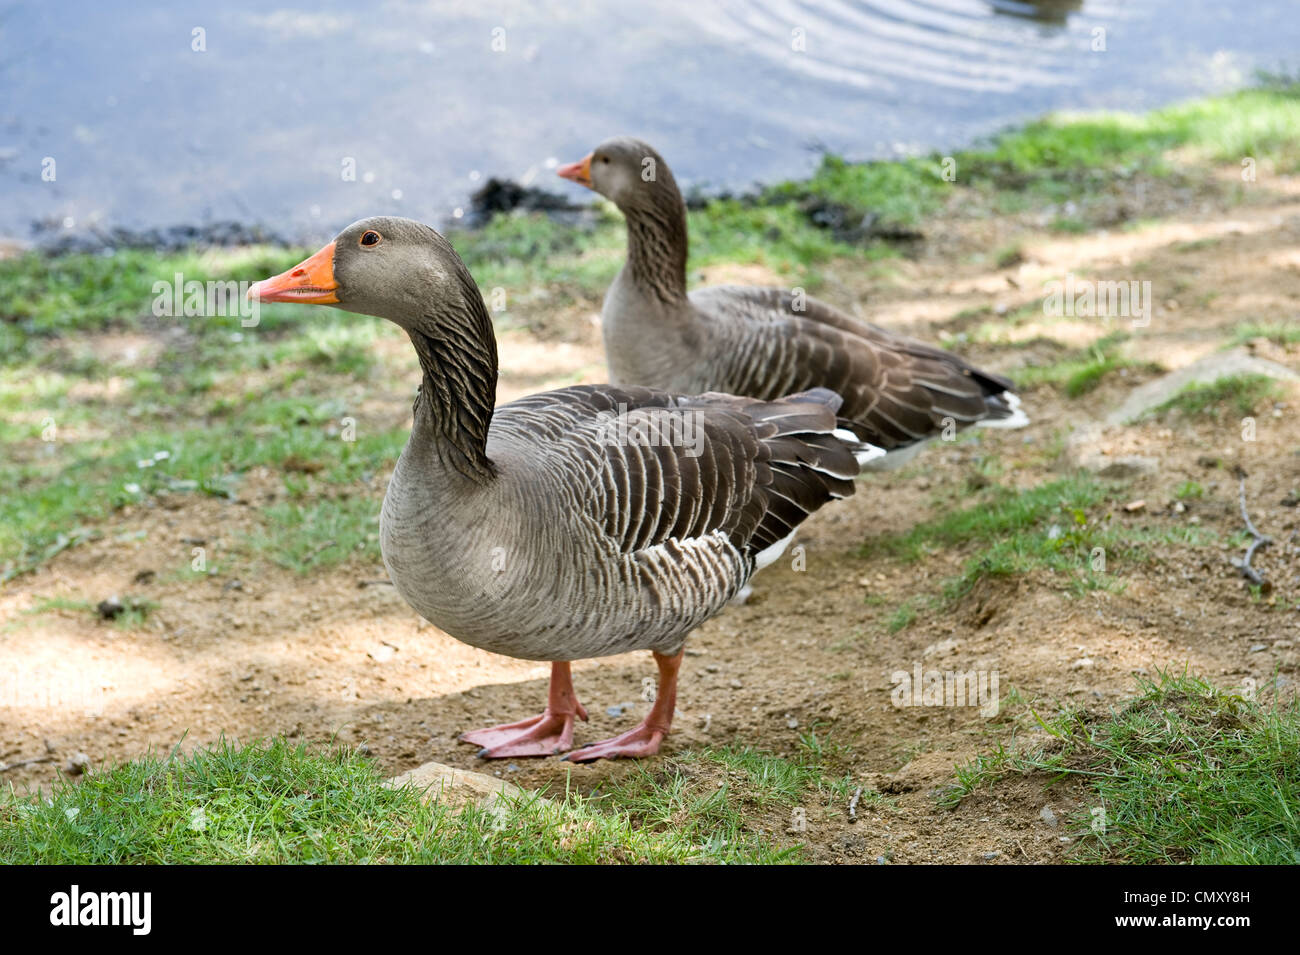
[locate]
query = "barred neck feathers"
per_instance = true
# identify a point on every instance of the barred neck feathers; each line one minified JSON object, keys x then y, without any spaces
{"x":458,"y":355}
{"x":657,"y":242}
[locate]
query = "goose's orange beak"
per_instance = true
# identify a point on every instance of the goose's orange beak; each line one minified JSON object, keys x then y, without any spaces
{"x":311,"y":281}
{"x":579,"y":172}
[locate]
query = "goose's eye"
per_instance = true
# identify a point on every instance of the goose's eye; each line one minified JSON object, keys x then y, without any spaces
{"x":605,"y":160}
{"x":370,"y":237}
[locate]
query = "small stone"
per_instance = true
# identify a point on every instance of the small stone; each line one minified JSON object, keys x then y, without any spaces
{"x":791,"y":722}
{"x":615,"y":710}
{"x":111,"y":608}
{"x":79,"y":763}
{"x":1048,"y":816}
{"x":988,"y":856}
{"x":1134,"y":506}
{"x":941,"y":648}
{"x":1258,"y":647}
{"x":736,"y":685}
{"x":1081,"y":664}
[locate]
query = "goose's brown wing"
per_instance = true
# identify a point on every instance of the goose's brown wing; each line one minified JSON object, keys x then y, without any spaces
{"x":896,"y":390}
{"x":652,"y":468}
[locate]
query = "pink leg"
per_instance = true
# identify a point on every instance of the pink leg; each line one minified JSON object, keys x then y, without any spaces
{"x":544,"y":735}
{"x":644,"y":739}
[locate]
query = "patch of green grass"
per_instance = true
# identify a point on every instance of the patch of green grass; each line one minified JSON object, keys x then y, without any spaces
{"x":1053,"y":527}
{"x":1082,"y":371}
{"x":1183,"y":773}
{"x":1189,"y":491}
{"x":533,"y":258}
{"x":1009,"y":256}
{"x":898,"y":191}
{"x":343,"y":347}
{"x":42,"y":296}
{"x":1240,"y":395}
{"x":1279,"y":333}
{"x":1258,"y":123}
{"x":276,"y":803}
{"x":88,"y":481}
{"x":1070,"y":225}
{"x":308,"y":537}
{"x":778,"y":236}
{"x":981,"y":770}
{"x":1005,"y":512}
{"x":902,"y":618}
{"x":711,"y":797}
{"x":1076,"y":157}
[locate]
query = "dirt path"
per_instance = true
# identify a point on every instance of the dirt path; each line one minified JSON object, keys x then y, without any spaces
{"x":335,"y":653}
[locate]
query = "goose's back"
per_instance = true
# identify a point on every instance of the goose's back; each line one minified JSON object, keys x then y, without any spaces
{"x":767,"y":342}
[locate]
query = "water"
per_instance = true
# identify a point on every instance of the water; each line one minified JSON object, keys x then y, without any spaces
{"x":428,"y":99}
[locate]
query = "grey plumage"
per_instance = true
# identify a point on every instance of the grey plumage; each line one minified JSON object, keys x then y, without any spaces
{"x":583,"y":545}
{"x":764,"y":342}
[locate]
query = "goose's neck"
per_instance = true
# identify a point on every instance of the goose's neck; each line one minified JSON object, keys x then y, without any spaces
{"x":657,"y":245}
{"x":458,"y":355}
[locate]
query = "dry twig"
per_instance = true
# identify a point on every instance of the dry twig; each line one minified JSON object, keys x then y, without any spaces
{"x":1258,"y":540}
{"x":853,"y":805}
{"x":5,"y":767}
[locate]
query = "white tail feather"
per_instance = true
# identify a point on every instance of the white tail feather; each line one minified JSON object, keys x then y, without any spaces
{"x":861,"y":450}
{"x":1017,"y":418}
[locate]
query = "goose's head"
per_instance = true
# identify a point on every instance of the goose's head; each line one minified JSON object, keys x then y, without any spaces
{"x":626,"y":171}
{"x":385,"y":266}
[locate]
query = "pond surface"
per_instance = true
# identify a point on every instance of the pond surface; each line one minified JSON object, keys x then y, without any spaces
{"x":249,"y":112}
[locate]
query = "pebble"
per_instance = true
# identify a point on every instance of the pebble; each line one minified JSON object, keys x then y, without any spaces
{"x":1048,"y":816}
{"x":111,"y":608}
{"x":76,"y":765}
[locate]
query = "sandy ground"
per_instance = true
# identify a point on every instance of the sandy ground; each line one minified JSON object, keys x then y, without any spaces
{"x":337,"y":653}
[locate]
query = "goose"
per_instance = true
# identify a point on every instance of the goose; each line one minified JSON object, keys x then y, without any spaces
{"x":898,"y":393}
{"x":577,"y":523}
